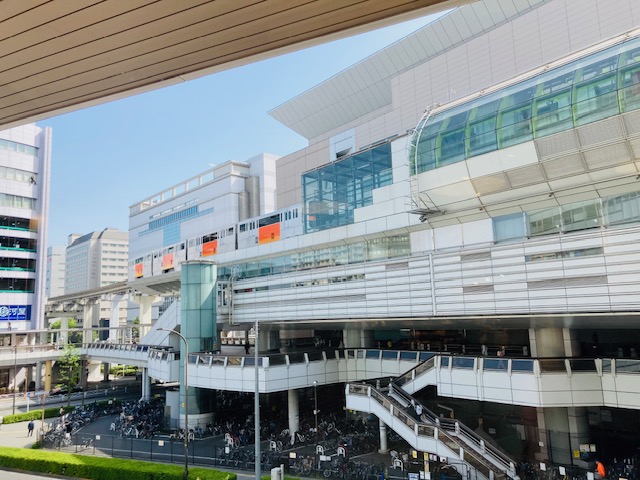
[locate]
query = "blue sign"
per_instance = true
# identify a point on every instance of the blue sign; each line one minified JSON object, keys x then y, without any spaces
{"x":15,"y":312}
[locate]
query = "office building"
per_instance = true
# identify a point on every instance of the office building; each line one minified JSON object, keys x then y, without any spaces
{"x":56,"y":265}
{"x":25,"y":156}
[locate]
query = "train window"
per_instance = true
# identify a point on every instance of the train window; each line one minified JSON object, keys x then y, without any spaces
{"x":270,"y":220}
{"x":182,"y":246}
{"x":243,"y":227}
{"x":192,"y":242}
{"x":253,"y":225}
{"x":209,"y":238}
{"x":230,"y":232}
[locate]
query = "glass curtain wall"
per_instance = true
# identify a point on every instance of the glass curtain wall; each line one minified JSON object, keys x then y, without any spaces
{"x":595,"y":87}
{"x":333,"y":192}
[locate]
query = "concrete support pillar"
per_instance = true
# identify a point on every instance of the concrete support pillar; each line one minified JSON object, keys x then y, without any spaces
{"x":357,"y":338}
{"x":38,"y":376}
{"x":105,"y":373}
{"x":94,"y":371}
{"x":547,"y":342}
{"x":383,"y":438}
{"x":90,"y":318}
{"x":560,"y":430}
{"x":146,"y":384}
{"x":293,"y":411}
{"x":263,"y":341}
{"x":48,"y":364}
{"x":145,"y":302}
{"x":114,"y":319}
{"x":63,"y":335}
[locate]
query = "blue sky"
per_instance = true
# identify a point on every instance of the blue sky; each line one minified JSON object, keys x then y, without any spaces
{"x":108,"y":157}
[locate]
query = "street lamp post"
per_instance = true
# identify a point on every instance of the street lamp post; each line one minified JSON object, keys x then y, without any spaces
{"x":315,"y":406}
{"x":15,"y":375}
{"x":256,"y":401}
{"x":186,"y":400}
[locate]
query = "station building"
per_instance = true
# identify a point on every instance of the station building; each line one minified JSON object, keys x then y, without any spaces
{"x":470,"y":189}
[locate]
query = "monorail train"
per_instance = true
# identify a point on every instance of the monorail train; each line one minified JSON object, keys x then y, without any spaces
{"x":268,"y":228}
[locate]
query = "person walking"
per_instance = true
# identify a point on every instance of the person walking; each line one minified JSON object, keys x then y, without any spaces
{"x":30,"y":428}
{"x":246,"y":348}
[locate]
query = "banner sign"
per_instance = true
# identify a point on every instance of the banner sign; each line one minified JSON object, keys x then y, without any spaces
{"x":15,"y":312}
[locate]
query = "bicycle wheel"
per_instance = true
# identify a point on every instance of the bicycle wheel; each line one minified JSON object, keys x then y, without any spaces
{"x":326,"y":472}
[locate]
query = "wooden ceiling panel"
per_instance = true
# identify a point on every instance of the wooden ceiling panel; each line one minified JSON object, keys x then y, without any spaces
{"x":60,"y":55}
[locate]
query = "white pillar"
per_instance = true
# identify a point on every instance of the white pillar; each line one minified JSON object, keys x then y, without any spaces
{"x":383,"y":438}
{"x":114,"y":318}
{"x":146,"y":384}
{"x":293,"y":411}
{"x":357,"y":338}
{"x":38,"y":376}
{"x":63,"y":335}
{"x":145,"y":302}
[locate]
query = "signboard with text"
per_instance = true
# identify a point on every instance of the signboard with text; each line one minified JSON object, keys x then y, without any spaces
{"x":15,"y":312}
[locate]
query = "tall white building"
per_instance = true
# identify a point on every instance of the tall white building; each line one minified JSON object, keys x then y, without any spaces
{"x":25,"y":156}
{"x":56,"y":266}
{"x":96,"y":259}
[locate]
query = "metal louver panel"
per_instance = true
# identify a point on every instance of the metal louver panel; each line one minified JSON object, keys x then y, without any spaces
{"x":526,"y":176}
{"x":632,"y":122}
{"x":564,"y":166}
{"x":635,"y":148}
{"x":601,"y":132}
{"x":490,"y":184}
{"x":554,"y":145}
{"x":608,"y":156}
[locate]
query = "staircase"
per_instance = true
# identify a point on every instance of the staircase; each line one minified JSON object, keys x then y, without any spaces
{"x":429,"y":433}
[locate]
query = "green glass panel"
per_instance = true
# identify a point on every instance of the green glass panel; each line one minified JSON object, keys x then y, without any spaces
{"x":630,"y":89}
{"x":596,"y":100}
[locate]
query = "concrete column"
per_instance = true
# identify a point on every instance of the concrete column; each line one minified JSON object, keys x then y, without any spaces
{"x":114,"y":318}
{"x":63,"y":335}
{"x":357,"y":338}
{"x":94,"y":371}
{"x":293,"y":411}
{"x":547,"y":342}
{"x":48,"y":364}
{"x":90,"y":318}
{"x":263,"y":341}
{"x":105,"y":373}
{"x":383,"y":438}
{"x":560,"y":430}
{"x":38,"y":376}
{"x":146,"y":384}
{"x":145,"y":302}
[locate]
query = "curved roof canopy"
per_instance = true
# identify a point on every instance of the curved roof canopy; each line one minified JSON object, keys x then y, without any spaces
{"x":58,"y":56}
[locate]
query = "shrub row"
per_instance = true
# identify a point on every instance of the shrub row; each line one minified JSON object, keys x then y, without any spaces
{"x":48,"y":413}
{"x":100,"y":468}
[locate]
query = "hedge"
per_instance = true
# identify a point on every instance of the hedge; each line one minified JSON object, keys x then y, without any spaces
{"x":35,"y":415}
{"x":100,"y":468}
{"x":48,"y":413}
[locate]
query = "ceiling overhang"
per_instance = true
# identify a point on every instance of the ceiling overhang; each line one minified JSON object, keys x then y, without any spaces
{"x":58,"y":56}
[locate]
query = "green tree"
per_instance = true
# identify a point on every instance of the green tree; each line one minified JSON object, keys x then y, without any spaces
{"x":135,"y":331}
{"x":74,"y":337}
{"x":69,"y":368}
